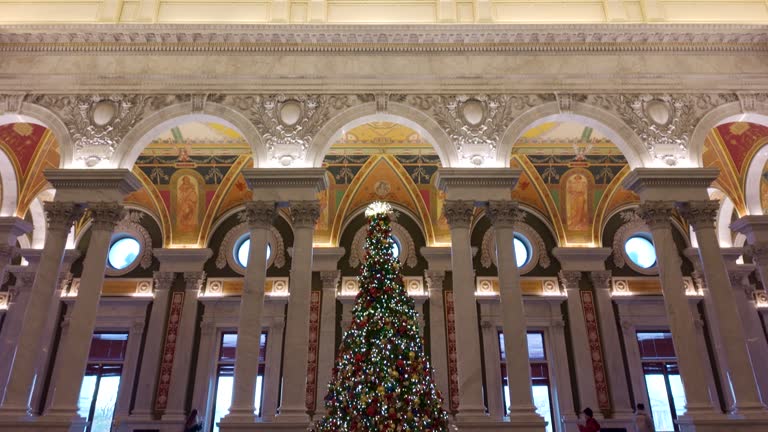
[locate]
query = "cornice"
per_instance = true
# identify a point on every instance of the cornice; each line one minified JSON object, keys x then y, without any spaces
{"x":641,"y":178}
{"x":477,"y":177}
{"x":119,"y":179}
{"x":244,"y":39}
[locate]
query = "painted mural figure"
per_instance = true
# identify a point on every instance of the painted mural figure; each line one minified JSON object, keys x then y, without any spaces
{"x":577,"y":204}
{"x":186,"y":205}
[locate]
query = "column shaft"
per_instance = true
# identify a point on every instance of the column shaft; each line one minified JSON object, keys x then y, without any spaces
{"x":437,"y":342}
{"x":702,"y":214}
{"x":469,"y":365}
{"x":259,"y":215}
{"x":9,"y":334}
{"x":753,"y":329}
{"x":74,"y":349}
{"x":184,"y":352}
{"x":503,"y":215}
{"x":272,"y":368}
{"x":657,"y":215}
{"x":153,"y":345}
{"x":492,"y":355}
{"x":327,"y":346}
{"x":293,"y":405}
{"x":60,"y":216}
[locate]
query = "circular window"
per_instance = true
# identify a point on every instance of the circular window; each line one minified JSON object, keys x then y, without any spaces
{"x":640,"y":251}
{"x":522,"y":250}
{"x":123,"y":253}
{"x":243,"y":247}
{"x":395,"y":247}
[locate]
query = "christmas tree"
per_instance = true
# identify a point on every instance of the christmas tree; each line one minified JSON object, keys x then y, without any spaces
{"x":382,"y":381}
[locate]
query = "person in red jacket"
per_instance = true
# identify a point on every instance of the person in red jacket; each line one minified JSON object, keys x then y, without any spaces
{"x":591,"y":425}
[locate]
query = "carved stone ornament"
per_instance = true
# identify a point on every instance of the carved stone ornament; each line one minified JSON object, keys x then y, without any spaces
{"x":194,"y":281}
{"x":11,"y":103}
{"x":226,"y":255}
{"x":407,"y":255}
{"x":633,"y":225}
{"x":758,"y":252}
{"x":61,"y":215}
{"x":504,"y":213}
{"x":163,"y":280}
{"x":601,"y":280}
{"x":476,"y":123}
{"x":569,"y":279}
{"x":656,"y":214}
{"x":434,"y":279}
{"x":539,"y":255}
{"x":699,"y":213}
{"x":98,"y":123}
{"x":459,"y":213}
{"x":288,"y":124}
{"x":305,"y":213}
{"x":260,"y":214}
{"x":330,"y":279}
{"x":664,"y":122}
{"x":105,"y":215}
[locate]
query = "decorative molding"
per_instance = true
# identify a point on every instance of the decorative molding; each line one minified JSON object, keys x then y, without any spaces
{"x":4,"y":300}
{"x":142,"y":39}
{"x":11,"y":103}
{"x":453,"y":367}
{"x":620,"y":287}
{"x":330,"y":279}
{"x":169,"y":351}
{"x":664,"y":122}
{"x":105,"y":215}
{"x":458,"y":213}
{"x":414,"y":286}
{"x":289,"y":123}
{"x":539,"y":254}
{"x":305,"y":213}
{"x":98,"y":123}
{"x":596,"y":350}
{"x":61,"y":215}
{"x":407,"y":246}
{"x":476,"y":123}
{"x":226,"y":255}
{"x":434,"y":279}
{"x":259,"y":214}
{"x":761,"y":299}
{"x":699,"y":213}
{"x":131,"y":225}
{"x":350,"y":286}
{"x":657,"y":214}
{"x":313,"y":347}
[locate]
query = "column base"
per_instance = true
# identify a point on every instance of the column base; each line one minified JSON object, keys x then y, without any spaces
{"x":292,"y":416}
{"x":722,"y":423}
{"x":517,"y":425}
{"x":472,"y":414}
{"x":257,"y":425}
{"x":42,"y":424}
{"x":140,"y":421}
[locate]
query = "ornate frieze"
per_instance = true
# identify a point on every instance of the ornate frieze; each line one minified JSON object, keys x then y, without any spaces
{"x":476,"y":123}
{"x":663,"y":122}
{"x":240,"y":39}
{"x":289,"y":123}
{"x":97,"y":123}
{"x":699,"y":213}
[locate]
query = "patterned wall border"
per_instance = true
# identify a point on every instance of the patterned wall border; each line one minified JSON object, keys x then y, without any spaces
{"x":169,"y":351}
{"x":596,"y":351}
{"x":314,"y":339}
{"x":453,"y":369}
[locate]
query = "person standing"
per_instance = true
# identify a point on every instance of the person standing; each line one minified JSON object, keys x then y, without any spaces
{"x":643,"y":422}
{"x":591,"y":425}
{"x":193,"y":424}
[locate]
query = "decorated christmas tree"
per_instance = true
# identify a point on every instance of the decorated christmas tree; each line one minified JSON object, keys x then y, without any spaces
{"x":382,"y":380}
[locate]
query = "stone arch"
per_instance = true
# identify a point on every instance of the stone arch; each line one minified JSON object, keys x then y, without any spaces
{"x":396,"y":113}
{"x":605,"y":122}
{"x":146,"y":130}
{"x":730,"y":112}
{"x":39,"y":115}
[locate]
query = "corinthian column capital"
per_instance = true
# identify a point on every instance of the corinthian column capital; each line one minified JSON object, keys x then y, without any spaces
{"x":330,"y":279}
{"x":656,"y":214}
{"x":758,"y":251}
{"x":163,"y":280}
{"x":459,"y":213}
{"x":105,"y":215}
{"x":699,"y":213}
{"x":305,"y":213}
{"x":194,"y":281}
{"x":570,"y":279}
{"x":260,"y":214}
{"x":61,"y":215}
{"x":504,"y":213}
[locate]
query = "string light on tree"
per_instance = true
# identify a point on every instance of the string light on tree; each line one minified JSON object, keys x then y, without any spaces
{"x":382,"y":380}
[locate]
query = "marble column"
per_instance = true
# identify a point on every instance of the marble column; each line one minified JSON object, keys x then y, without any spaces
{"x":609,"y":332}
{"x":60,"y":216}
{"x":272,"y":368}
{"x":747,"y":401}
{"x":580,"y":342}
{"x":492,"y":356}
{"x":437,"y":338}
{"x":176,"y":410}
{"x":327,"y":348}
{"x":503,"y":216}
{"x":259,"y":216}
{"x":755,"y":228}
{"x":73,"y":350}
{"x":17,"y":306}
{"x":743,"y":291}
{"x":293,"y":404}
{"x":657,"y":215}
{"x":153,"y":346}
{"x":459,"y":214}
{"x":130,"y":369}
